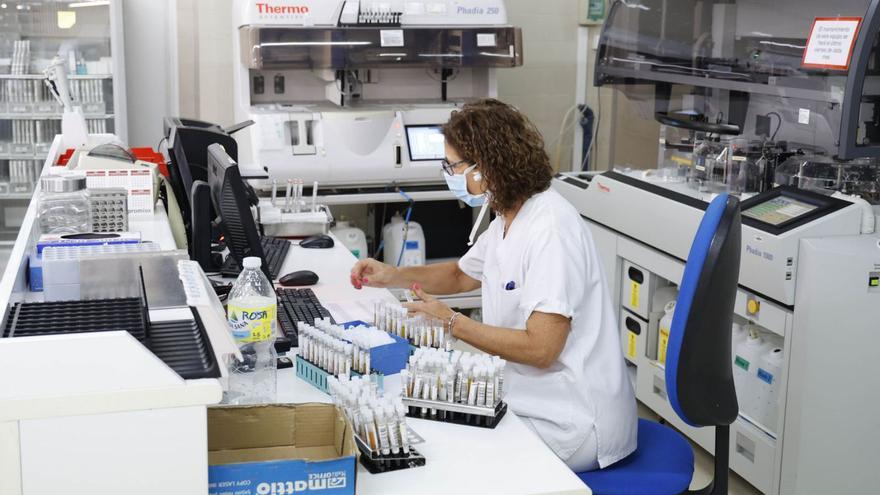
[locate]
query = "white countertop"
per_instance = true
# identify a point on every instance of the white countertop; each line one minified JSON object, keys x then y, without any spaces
{"x":509,"y":459}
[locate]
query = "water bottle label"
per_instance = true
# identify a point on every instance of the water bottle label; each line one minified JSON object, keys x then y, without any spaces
{"x":252,"y":323}
{"x":742,"y":363}
{"x":765,"y":376}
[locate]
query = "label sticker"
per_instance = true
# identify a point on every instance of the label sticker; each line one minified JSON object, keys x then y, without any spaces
{"x":831,"y":42}
{"x":742,"y":363}
{"x":252,"y":323}
{"x":765,"y":375}
{"x":804,"y":116}
{"x":631,"y":345}
{"x":391,"y":37}
{"x":486,"y":40}
{"x":634,"y":294}
{"x":661,"y":346}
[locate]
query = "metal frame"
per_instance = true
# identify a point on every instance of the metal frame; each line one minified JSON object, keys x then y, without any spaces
{"x":850,"y":103}
{"x":850,"y":111}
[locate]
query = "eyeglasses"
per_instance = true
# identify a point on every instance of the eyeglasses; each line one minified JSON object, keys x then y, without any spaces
{"x":449,"y":167}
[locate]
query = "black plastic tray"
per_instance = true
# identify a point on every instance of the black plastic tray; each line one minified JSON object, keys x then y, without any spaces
{"x":183,"y":345}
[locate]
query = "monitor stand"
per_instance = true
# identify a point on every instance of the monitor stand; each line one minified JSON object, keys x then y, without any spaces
{"x":200,"y":246}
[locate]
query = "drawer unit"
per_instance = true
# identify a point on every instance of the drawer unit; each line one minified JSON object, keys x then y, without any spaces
{"x":636,"y":288}
{"x":753,"y":455}
{"x":633,"y":332}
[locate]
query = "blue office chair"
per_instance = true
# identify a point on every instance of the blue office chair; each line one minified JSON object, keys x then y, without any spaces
{"x":699,"y":375}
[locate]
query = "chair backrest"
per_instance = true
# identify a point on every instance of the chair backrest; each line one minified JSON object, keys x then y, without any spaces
{"x":699,"y":374}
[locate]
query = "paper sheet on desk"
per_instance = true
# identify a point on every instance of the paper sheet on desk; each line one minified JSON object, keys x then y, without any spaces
{"x":350,"y":311}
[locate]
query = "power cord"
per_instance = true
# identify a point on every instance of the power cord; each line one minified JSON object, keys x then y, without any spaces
{"x":405,"y":223}
{"x":778,"y":124}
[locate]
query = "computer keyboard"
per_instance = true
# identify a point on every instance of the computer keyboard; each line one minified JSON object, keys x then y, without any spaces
{"x":298,"y":305}
{"x":274,"y":249}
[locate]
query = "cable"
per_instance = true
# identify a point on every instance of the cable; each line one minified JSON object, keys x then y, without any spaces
{"x":778,"y":125}
{"x":563,"y":131}
{"x":593,"y":148}
{"x":405,"y":224}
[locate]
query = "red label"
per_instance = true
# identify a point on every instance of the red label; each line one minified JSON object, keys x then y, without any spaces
{"x":265,"y":8}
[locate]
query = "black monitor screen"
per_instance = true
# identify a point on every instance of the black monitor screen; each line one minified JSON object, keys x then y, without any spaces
{"x":779,"y":210}
{"x":425,"y":142}
{"x":230,"y":201}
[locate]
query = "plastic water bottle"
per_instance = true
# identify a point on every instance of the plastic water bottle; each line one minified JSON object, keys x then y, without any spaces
{"x":251,"y":313}
{"x":745,"y":370}
{"x":665,"y":326}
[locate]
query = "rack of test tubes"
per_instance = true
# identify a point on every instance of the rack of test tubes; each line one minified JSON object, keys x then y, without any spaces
{"x":455,"y":387}
{"x":330,"y":350}
{"x":418,"y":330}
{"x":296,"y":214}
{"x":379,"y":422}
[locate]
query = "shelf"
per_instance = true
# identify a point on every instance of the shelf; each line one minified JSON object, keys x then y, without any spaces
{"x":16,"y":196}
{"x":41,"y":76}
{"x":48,"y":116}
{"x":724,"y":84}
{"x":38,"y":157}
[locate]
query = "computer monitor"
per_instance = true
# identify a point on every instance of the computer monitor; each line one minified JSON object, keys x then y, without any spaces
{"x":425,"y":142}
{"x":230,"y":201}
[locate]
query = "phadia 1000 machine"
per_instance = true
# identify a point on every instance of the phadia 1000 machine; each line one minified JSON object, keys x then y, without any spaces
{"x":755,"y":99}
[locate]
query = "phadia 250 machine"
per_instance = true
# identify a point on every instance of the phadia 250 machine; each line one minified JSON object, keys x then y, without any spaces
{"x":354,"y":92}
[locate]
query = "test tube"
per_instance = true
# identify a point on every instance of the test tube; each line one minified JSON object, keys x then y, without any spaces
{"x":315,"y":197}
{"x":287,"y":196}
{"x":274,"y":191}
{"x":404,"y":431}
{"x":382,"y":427}
{"x":393,"y":430}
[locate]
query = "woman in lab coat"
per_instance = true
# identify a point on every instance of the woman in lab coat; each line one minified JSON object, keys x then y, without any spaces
{"x":546,"y":306}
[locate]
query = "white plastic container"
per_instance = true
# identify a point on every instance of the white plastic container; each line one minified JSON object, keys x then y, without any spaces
{"x":394,"y":232}
{"x":768,"y":375}
{"x":663,"y":335}
{"x":251,"y":313}
{"x":745,"y":370}
{"x":352,"y":237}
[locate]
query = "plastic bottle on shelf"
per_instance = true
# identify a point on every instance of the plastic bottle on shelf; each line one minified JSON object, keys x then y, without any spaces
{"x":745,"y":369}
{"x":768,"y":375}
{"x":352,"y":237}
{"x":663,"y":335}
{"x":252,"y":313}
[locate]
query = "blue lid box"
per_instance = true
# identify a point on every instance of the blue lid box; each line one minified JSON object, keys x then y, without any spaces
{"x":386,"y":359}
{"x":280,"y":449}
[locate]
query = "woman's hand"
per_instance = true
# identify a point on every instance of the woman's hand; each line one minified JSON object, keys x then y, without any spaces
{"x":372,"y":273}
{"x":429,"y":306}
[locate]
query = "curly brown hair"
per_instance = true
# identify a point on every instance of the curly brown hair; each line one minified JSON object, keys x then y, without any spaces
{"x":506,"y":146}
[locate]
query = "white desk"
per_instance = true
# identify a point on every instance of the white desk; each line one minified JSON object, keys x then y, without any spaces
{"x":509,"y":459}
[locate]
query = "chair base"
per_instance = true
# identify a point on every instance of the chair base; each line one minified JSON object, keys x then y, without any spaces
{"x":718,"y":485}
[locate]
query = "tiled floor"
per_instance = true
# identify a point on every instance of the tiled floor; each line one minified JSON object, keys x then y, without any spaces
{"x":703,"y":466}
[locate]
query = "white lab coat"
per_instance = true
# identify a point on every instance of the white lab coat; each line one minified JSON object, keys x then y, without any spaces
{"x":548,"y":263}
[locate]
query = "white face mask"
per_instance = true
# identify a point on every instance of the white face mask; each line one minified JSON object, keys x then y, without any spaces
{"x":458,"y":185}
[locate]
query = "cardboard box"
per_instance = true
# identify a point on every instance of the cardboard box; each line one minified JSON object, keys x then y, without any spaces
{"x":280,"y":449}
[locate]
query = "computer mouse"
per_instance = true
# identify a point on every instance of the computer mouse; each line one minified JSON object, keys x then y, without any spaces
{"x":299,"y":278}
{"x":317,"y":242}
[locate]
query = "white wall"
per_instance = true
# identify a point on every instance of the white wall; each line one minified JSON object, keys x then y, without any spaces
{"x":544,"y":87}
{"x":150,"y":67}
{"x":206,"y":59}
